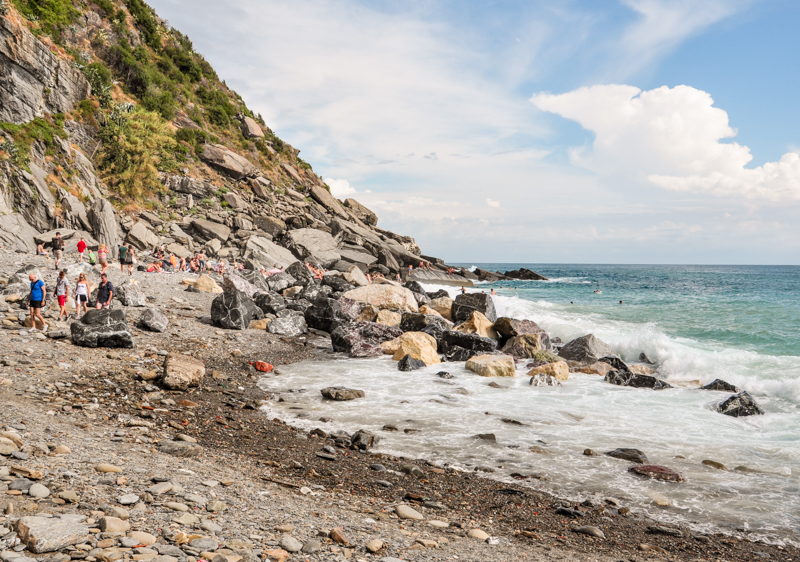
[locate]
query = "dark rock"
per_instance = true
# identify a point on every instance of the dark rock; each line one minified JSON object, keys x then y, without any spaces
{"x":153,"y":320}
{"x":270,"y":302}
{"x":363,"y":440}
{"x":414,"y":287}
{"x":587,"y":349}
{"x":337,"y":283}
{"x":508,"y":328}
{"x":632,"y":455}
{"x":362,"y":339}
{"x":255,"y":278}
{"x":438,"y":294}
{"x":340,"y":393}
{"x":299,"y":272}
{"x":466,"y":303}
{"x":719,"y":384}
{"x":290,"y":325}
{"x":458,"y":346}
{"x":417,"y":322}
{"x":544,"y":380}
{"x":234,"y":310}
{"x":645,"y":359}
{"x":623,"y":378}
{"x":102,"y":328}
{"x":421,"y":298}
{"x":657,"y":472}
{"x":364,"y":215}
{"x":616,"y":362}
{"x":740,"y":405}
{"x":444,"y":375}
{"x":659,"y":530}
{"x":525,"y":275}
{"x":277,"y":282}
{"x":327,"y":314}
{"x":486,"y":437}
{"x":569,"y":512}
{"x":408,"y":363}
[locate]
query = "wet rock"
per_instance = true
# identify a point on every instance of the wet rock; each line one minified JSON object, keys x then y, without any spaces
{"x":617,"y":363}
{"x":715,"y":464}
{"x":632,"y":455}
{"x":466,"y":303}
{"x":558,"y":370}
{"x":526,"y":346}
{"x":328,"y":314}
{"x":408,"y":363}
{"x":341,"y":393}
{"x":417,"y":322}
{"x":586,"y":349}
{"x":49,"y":534}
{"x":362,"y":339}
{"x":477,"y":323}
{"x":627,"y":378}
{"x":508,"y":328}
{"x":418,"y":345}
{"x":656,"y":472}
{"x":740,"y":405}
{"x":457,"y":346}
{"x":363,"y":440}
{"x":492,"y":366}
{"x":233,"y":310}
{"x":102,"y":328}
{"x":182,"y":371}
{"x":544,"y":380}
{"x":719,"y":384}
{"x":153,"y":320}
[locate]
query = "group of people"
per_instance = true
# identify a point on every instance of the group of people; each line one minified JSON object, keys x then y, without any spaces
{"x":37,"y":298}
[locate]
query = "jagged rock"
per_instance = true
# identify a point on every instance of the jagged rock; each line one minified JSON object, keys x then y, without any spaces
{"x":227,"y":162}
{"x":492,"y":366}
{"x":233,"y":282}
{"x":271,"y":225}
{"x":657,"y":472}
{"x":719,"y":384}
{"x":300,"y":273}
{"x":632,"y":455}
{"x":364,"y":215}
{"x":337,"y":283}
{"x":182,"y":371}
{"x":190,"y":186}
{"x":74,"y":210}
{"x":558,"y":370}
{"x":418,"y":345}
{"x":740,"y":405}
{"x":385,"y":296}
{"x":102,"y":328}
{"x":267,"y":253}
{"x":617,"y":363}
{"x":627,"y":378}
{"x":508,"y":328}
{"x":327,"y":314}
{"x":598,"y":368}
{"x":251,"y":129}
{"x":130,"y":294}
{"x":363,"y":440}
{"x":235,"y":201}
{"x":441,"y":293}
{"x":388,"y":318}
{"x":324,"y":198}
{"x":525,"y":347}
{"x":362,"y":339}
{"x":417,"y":322}
{"x":270,"y":303}
{"x":292,"y":172}
{"x":153,"y":320}
{"x":290,"y":326}
{"x":357,"y":257}
{"x":211,"y":230}
{"x":408,"y":363}
{"x":52,"y":533}
{"x":443,"y":305}
{"x":16,"y":233}
{"x":256,"y":279}
{"x":544,"y":380}
{"x":234,"y":310}
{"x":34,"y":80}
{"x":586,"y":349}
{"x":104,"y":223}
{"x":340,"y":393}
{"x":280,"y":281}
{"x":466,"y":303}
{"x":525,"y":275}
{"x":458,"y":346}
{"x":477,"y":323}
{"x":313,"y":246}
{"x":142,"y":237}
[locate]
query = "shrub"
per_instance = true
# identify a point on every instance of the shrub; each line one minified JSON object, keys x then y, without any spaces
{"x":107,"y":6}
{"x":52,"y":17}
{"x":99,"y":77}
{"x":218,"y":107}
{"x":145,"y":22}
{"x":195,"y":138}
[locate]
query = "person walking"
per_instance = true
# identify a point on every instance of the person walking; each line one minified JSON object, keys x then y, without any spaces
{"x":58,"y":248}
{"x":102,"y":257}
{"x":61,"y":294}
{"x":130,"y":259}
{"x":122,"y":255}
{"x":81,"y":295}
{"x":81,"y":248}
{"x":36,"y":300}
{"x":105,"y":292}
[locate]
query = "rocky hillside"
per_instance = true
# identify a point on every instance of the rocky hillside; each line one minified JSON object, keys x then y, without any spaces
{"x":112,"y":127}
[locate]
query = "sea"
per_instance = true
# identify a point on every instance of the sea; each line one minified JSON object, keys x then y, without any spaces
{"x":696,"y":323}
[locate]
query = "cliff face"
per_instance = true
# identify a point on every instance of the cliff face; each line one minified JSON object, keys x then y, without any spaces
{"x":220,"y":182}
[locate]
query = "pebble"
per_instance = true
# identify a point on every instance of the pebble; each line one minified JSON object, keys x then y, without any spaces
{"x":210,"y":526}
{"x":589,"y":530}
{"x":374,"y":545}
{"x":204,"y":544}
{"x":312,"y":546}
{"x":291,"y":544}
{"x":479,"y":534}
{"x":216,"y":505}
{"x":105,"y":468}
{"x":38,"y":491}
{"x":160,"y":488}
{"x":337,"y":535}
{"x":406,"y":512}
{"x":438,"y":524}
{"x":176,"y":506}
{"x":128,"y":499}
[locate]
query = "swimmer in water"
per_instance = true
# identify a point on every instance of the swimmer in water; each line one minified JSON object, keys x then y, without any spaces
{"x":620,"y":302}
{"x":597,"y":292}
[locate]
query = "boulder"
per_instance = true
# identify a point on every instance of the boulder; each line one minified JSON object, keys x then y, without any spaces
{"x":477,"y":323}
{"x":408,"y":363}
{"x":182,"y":449}
{"x":492,"y":366}
{"x":300,"y":273}
{"x":458,"y":346}
{"x":627,"y":378}
{"x":52,"y":533}
{"x":544,"y":380}
{"x":227,"y":161}
{"x":525,"y":275}
{"x":340,"y":393}
{"x":270,"y":303}
{"x":599,"y":368}
{"x":740,"y":405}
{"x":182,"y":371}
{"x":355,"y":276}
{"x":388,"y":318}
{"x":442,"y":305}
{"x":418,"y":345}
{"x":324,"y":198}
{"x":657,"y":472}
{"x":363,"y":440}
{"x":525,"y":347}
{"x":104,"y":223}
{"x":261,"y":188}
{"x":418,"y":322}
{"x":313,"y":246}
{"x":130,"y":294}
{"x":277,"y":282}
{"x":290,"y":326}
{"x":233,"y":282}
{"x":362,"y":339}
{"x":558,"y":370}
{"x":642,"y":370}
{"x":211,"y":230}
{"x":337,"y":282}
{"x":508,"y":328}
{"x":466,"y":303}
{"x":327,"y":314}
{"x":361,"y":212}
{"x":234,"y":310}
{"x":102,"y":328}
{"x":204,"y":283}
{"x":190,"y":186}
{"x":616,"y":363}
{"x":16,"y":233}
{"x":385,"y":296}
{"x":152,"y":320}
{"x":631,"y":455}
{"x":271,"y":225}
{"x":142,"y":237}
{"x":251,"y":129}
{"x":587,"y":349}
{"x":719,"y":384}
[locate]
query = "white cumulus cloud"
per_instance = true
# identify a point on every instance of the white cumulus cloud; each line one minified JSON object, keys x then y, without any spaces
{"x":492,"y":203}
{"x":672,"y":137}
{"x":340,"y":188}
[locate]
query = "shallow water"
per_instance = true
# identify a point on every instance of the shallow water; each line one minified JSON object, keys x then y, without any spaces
{"x":677,"y":331}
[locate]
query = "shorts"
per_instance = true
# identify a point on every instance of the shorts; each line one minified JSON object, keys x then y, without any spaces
{"x":128,"y":261}
{"x":83,"y":298}
{"x":58,"y":254}
{"x":36,"y":304}
{"x":62,"y":300}
{"x":103,"y":262}
{"x":80,"y":252}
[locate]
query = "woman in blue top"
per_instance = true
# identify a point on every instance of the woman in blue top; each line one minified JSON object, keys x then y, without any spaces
{"x":36,"y":300}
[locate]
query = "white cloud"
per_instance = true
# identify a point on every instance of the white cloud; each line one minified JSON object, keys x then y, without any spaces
{"x":671,"y":137}
{"x":492,"y":203}
{"x":340,"y":188}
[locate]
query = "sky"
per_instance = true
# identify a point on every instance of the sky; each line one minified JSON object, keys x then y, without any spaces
{"x":623,"y":131}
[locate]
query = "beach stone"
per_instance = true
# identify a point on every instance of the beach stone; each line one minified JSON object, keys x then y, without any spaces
{"x":477,"y":323}
{"x":153,"y":320}
{"x":525,"y":346}
{"x":715,"y":464}
{"x":182,"y":371}
{"x":544,"y":380}
{"x":113,"y":525}
{"x":438,"y":524}
{"x":740,"y":405}
{"x":492,"y":366}
{"x":558,"y":370}
{"x":479,"y":534}
{"x":341,"y":393}
{"x":210,"y":526}
{"x":362,"y":339}
{"x":204,"y":544}
{"x":176,"y":506}
{"x":627,"y":378}
{"x":374,"y":545}
{"x":50,"y":534}
{"x":388,"y":318}
{"x":458,"y":346}
{"x":216,"y":505}
{"x":385,"y":296}
{"x":657,"y":472}
{"x":338,"y":536}
{"x":68,"y":496}
{"x":465,"y":304}
{"x":102,"y":328}
{"x":61,"y":450}
{"x":719,"y":384}
{"x":642,"y":370}
{"x":38,"y":491}
{"x":130,"y":294}
{"x":234,"y":310}
{"x":599,"y":368}
{"x":143,"y":538}
{"x":587,"y":349}
{"x":107,"y":468}
{"x":589,"y":530}
{"x":443,"y":306}
{"x":312,"y":546}
{"x":275,"y":555}
{"x":408,"y":363}
{"x":406,"y":512}
{"x":417,"y":345}
{"x":632,"y":455}
{"x":290,"y":544}
{"x":179,"y":448}
{"x":204,"y":283}
{"x":7,"y":446}
{"x":508,"y":328}
{"x":128,"y":499}
{"x":118,"y":512}
{"x":160,"y":488}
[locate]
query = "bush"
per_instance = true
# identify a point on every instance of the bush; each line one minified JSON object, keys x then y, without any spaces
{"x":195,"y":138}
{"x":136,"y":146}
{"x":161,"y":102}
{"x":99,"y":77}
{"x":218,"y":107}
{"x":145,"y":22}
{"x":107,"y":6}
{"x":52,"y":17}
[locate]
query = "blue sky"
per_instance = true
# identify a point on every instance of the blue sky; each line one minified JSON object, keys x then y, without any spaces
{"x":631,"y":131}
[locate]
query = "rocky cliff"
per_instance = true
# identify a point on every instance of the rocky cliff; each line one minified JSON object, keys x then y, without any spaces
{"x":211,"y":177}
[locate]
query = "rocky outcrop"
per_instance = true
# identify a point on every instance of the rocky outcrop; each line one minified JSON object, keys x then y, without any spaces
{"x":385,"y":296}
{"x":466,"y":303}
{"x":361,"y":212}
{"x":34,"y":80}
{"x":313,"y":246}
{"x":719,"y":384}
{"x":142,"y":237}
{"x":211,"y":230}
{"x":628,"y":378}
{"x":234,"y":310}
{"x":16,"y":233}
{"x":524,"y":275}
{"x":102,"y":328}
{"x":586,"y":349}
{"x":508,"y":328}
{"x":324,"y":198}
{"x":104,"y":223}
{"x":251,"y":129}
{"x":458,"y":346}
{"x":189,"y":186}
{"x":227,"y":161}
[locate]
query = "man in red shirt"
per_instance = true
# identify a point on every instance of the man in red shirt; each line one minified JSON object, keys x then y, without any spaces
{"x":81,"y":248}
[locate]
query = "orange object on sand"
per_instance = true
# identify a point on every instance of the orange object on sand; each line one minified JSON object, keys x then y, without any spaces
{"x":262,"y":366}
